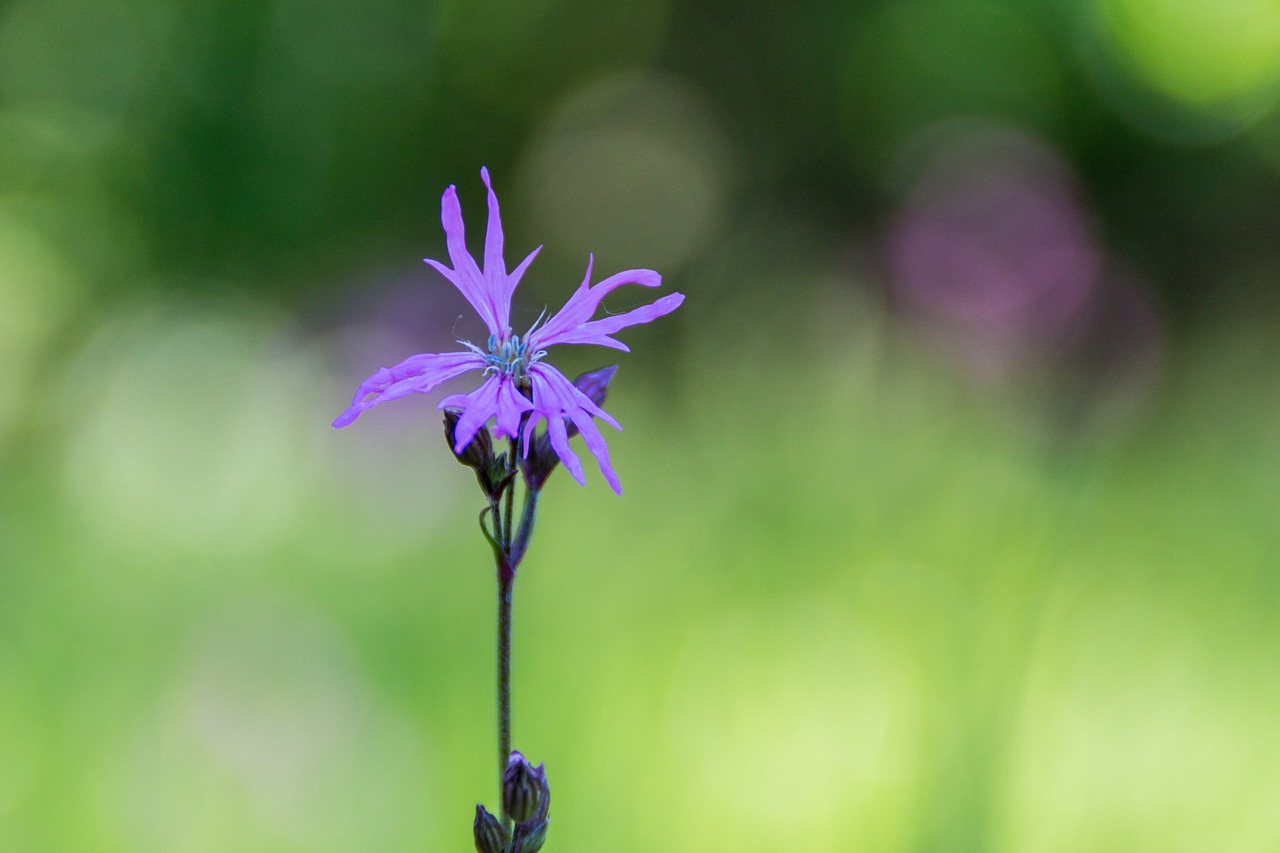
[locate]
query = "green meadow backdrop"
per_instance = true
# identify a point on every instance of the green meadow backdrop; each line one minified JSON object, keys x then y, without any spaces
{"x":951,"y":517}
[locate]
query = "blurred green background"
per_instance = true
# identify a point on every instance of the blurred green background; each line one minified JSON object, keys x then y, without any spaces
{"x":952,"y":510}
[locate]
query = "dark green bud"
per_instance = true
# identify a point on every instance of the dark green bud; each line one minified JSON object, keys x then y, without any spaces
{"x":491,"y":471}
{"x":522,"y":788}
{"x":489,"y":834}
{"x":494,"y":477}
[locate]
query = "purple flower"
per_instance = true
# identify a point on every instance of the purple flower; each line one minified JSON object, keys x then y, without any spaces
{"x":518,"y":381}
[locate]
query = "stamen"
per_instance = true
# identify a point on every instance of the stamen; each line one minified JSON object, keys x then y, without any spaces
{"x":509,"y":356}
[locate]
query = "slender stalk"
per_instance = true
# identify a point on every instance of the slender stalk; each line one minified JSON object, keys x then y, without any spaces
{"x":512,"y":462}
{"x":506,"y":585}
{"x":530,"y":511}
{"x":506,"y":589}
{"x":499,"y":536}
{"x":510,"y":550}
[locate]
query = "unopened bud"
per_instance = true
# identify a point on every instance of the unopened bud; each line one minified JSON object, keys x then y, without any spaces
{"x":544,"y":801}
{"x":536,"y":837}
{"x":489,"y":835}
{"x":494,"y":477}
{"x":595,"y":384}
{"x":491,"y":471}
{"x":540,"y":461}
{"x":479,"y":452}
{"x":522,"y":788}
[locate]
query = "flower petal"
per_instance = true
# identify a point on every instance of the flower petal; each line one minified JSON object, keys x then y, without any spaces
{"x":511,"y":408}
{"x":597,"y":332}
{"x":595,"y":443}
{"x":526,"y":440}
{"x":477,"y":407}
{"x":583,"y":304}
{"x":416,"y":374}
{"x":560,"y":443}
{"x":455,"y":233}
{"x":556,"y":398}
{"x":465,"y":275}
{"x":495,"y":267}
{"x":558,"y":392}
{"x":516,"y":274}
{"x":489,"y":291}
{"x":497,"y":398}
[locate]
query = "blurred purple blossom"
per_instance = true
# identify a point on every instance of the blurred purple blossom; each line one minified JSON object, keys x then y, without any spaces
{"x":517,"y":380}
{"x":992,"y":253}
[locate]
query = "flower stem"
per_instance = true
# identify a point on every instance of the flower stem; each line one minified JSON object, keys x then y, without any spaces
{"x":512,"y":457}
{"x":506,"y":585}
{"x":509,"y":552}
{"x":527,"y":515}
{"x":506,"y":588}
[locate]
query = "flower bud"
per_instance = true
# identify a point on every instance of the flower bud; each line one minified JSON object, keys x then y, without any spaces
{"x":522,"y":788}
{"x":479,"y":452}
{"x":539,"y":462}
{"x":489,"y":834}
{"x":494,"y":477}
{"x":595,"y":384}
{"x":534,"y":838}
{"x":491,"y":471}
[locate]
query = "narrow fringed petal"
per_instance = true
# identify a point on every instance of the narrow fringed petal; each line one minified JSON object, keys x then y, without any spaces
{"x":514,"y":279}
{"x":465,"y":275}
{"x":595,"y":443}
{"x":560,"y":444}
{"x":455,"y":234}
{"x":526,"y":438}
{"x":477,"y":407}
{"x":489,"y":290}
{"x":471,"y":289}
{"x":556,"y":398}
{"x":496,"y":399}
{"x":494,"y":264}
{"x":495,"y":267}
{"x":559,"y":391}
{"x":417,"y":374}
{"x":583,"y":304}
{"x":511,"y":408}
{"x":597,"y":332}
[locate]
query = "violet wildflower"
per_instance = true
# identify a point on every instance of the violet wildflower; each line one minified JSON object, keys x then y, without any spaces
{"x":520,"y":393}
{"x":520,"y":389}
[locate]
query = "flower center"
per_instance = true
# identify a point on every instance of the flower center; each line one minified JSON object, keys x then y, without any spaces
{"x":510,"y":356}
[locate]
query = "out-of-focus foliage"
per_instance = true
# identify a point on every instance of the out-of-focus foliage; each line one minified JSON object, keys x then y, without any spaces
{"x":952,"y":509}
